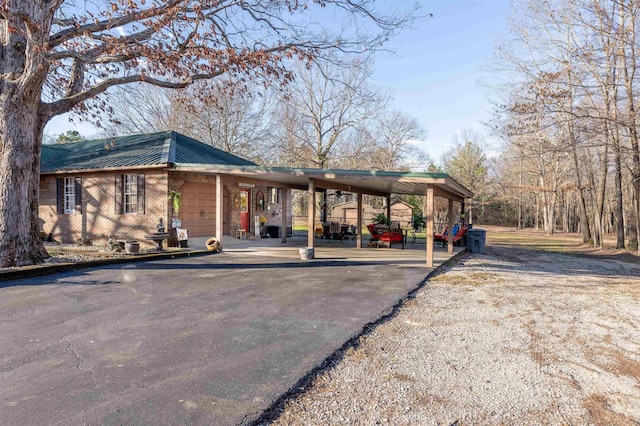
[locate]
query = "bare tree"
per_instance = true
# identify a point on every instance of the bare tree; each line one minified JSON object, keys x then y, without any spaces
{"x":214,"y":112}
{"x":321,"y":106}
{"x":139,"y":108}
{"x":388,"y":139}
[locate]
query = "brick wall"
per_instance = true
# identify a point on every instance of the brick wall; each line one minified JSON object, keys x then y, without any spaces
{"x":198,"y":210}
{"x":97,"y":218}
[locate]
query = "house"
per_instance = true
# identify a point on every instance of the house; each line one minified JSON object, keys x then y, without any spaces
{"x":120,"y":187}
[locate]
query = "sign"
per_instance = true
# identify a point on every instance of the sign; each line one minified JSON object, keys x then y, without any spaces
{"x":182,"y":234}
{"x":176,"y":223}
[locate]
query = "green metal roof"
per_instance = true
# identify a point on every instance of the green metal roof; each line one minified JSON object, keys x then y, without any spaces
{"x":154,"y":149}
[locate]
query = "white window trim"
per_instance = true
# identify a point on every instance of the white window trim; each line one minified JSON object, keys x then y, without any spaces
{"x":130,"y":207}
{"x":69,"y":195}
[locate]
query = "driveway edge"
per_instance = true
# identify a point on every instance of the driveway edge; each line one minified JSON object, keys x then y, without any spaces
{"x":40,"y":270}
{"x":277,"y":406}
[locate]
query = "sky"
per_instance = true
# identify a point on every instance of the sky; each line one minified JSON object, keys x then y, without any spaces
{"x":438,"y":65}
{"x":434,"y":72}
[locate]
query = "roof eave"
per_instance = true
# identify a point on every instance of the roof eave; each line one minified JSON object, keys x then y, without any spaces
{"x":104,"y":169}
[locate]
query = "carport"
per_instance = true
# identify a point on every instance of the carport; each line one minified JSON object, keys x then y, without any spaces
{"x":371,"y":182}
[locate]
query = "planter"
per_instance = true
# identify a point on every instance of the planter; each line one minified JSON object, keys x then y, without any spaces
{"x":132,"y":246}
{"x":306,"y":253}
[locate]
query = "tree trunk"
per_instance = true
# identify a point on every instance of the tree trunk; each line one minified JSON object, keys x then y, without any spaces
{"x":21,"y":130}
{"x":582,"y":207}
{"x":619,"y":208}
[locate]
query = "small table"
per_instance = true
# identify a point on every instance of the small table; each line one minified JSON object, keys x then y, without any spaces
{"x":241,"y":234}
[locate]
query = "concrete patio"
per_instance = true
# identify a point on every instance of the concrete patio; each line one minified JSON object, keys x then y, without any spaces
{"x":335,"y":250}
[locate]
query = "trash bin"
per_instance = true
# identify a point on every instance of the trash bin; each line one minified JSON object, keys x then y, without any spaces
{"x":273,"y":231}
{"x":476,"y":239}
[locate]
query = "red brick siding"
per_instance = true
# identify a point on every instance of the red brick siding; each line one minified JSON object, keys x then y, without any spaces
{"x":98,"y":219}
{"x":198,"y":209}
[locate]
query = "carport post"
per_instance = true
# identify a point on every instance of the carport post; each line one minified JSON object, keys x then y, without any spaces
{"x":359,"y":222}
{"x":429,"y":219}
{"x":311,"y":211}
{"x":285,"y":207}
{"x":450,"y":227}
{"x":389,"y":207}
{"x":219,"y":207}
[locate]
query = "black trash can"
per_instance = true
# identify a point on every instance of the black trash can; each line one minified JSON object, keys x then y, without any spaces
{"x":273,"y":231}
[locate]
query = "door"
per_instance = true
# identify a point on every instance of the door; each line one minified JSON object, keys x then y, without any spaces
{"x":245,"y":208}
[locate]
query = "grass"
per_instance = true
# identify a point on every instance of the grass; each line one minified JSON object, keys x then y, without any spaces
{"x":559,"y":242}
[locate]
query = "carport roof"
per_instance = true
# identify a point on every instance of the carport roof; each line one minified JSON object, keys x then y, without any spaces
{"x":373,"y":182}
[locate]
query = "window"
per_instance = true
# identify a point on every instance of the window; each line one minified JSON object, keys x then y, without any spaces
{"x":274,"y":194}
{"x":69,"y":195}
{"x":129,"y":194}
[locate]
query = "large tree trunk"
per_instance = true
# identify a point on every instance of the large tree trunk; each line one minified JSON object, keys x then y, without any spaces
{"x":20,"y":133}
{"x":23,"y":69}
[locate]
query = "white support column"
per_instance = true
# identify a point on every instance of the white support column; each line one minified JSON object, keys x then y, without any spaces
{"x":429,"y":219}
{"x":219,"y":207}
{"x":311,"y":209}
{"x":450,"y":228}
{"x":285,"y":209}
{"x":359,"y":222}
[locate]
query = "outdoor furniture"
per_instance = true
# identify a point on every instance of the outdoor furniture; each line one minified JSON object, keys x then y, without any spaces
{"x":331,"y":230}
{"x":441,"y":236}
{"x":444,"y":237}
{"x":241,"y":234}
{"x":374,"y":235}
{"x":387,"y":234}
{"x":394,"y":234}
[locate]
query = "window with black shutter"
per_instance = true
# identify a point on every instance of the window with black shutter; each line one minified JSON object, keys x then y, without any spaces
{"x":69,"y":195}
{"x":129,"y":194}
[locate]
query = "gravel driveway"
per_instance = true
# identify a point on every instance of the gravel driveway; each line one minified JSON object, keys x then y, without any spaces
{"x":511,"y":337}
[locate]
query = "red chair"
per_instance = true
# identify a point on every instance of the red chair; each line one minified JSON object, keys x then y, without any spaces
{"x":387,"y":235}
{"x":441,"y":236}
{"x":444,"y":237}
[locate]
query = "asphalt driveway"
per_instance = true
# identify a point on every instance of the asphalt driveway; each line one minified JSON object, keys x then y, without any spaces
{"x":204,"y":340}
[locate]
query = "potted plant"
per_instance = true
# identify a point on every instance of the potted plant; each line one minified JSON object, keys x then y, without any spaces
{"x":175,"y":198}
{"x":417,"y":222}
{"x":132,"y":246}
{"x":381,"y":219}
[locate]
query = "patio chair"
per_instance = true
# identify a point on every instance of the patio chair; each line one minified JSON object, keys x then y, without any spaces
{"x":374,"y":235}
{"x":388,"y":235}
{"x":441,"y":236}
{"x":444,"y":237}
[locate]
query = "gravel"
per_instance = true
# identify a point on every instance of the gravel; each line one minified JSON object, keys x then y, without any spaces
{"x":511,"y":337}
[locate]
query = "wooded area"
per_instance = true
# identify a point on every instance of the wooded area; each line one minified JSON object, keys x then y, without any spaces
{"x":568,"y":116}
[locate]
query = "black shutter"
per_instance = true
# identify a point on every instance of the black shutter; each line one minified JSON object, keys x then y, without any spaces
{"x":117,"y":202}
{"x":140,"y":194}
{"x":60,"y":195}
{"x":78,"y":183}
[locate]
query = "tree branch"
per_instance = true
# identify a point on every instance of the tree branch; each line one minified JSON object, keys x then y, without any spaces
{"x":66,"y":104}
